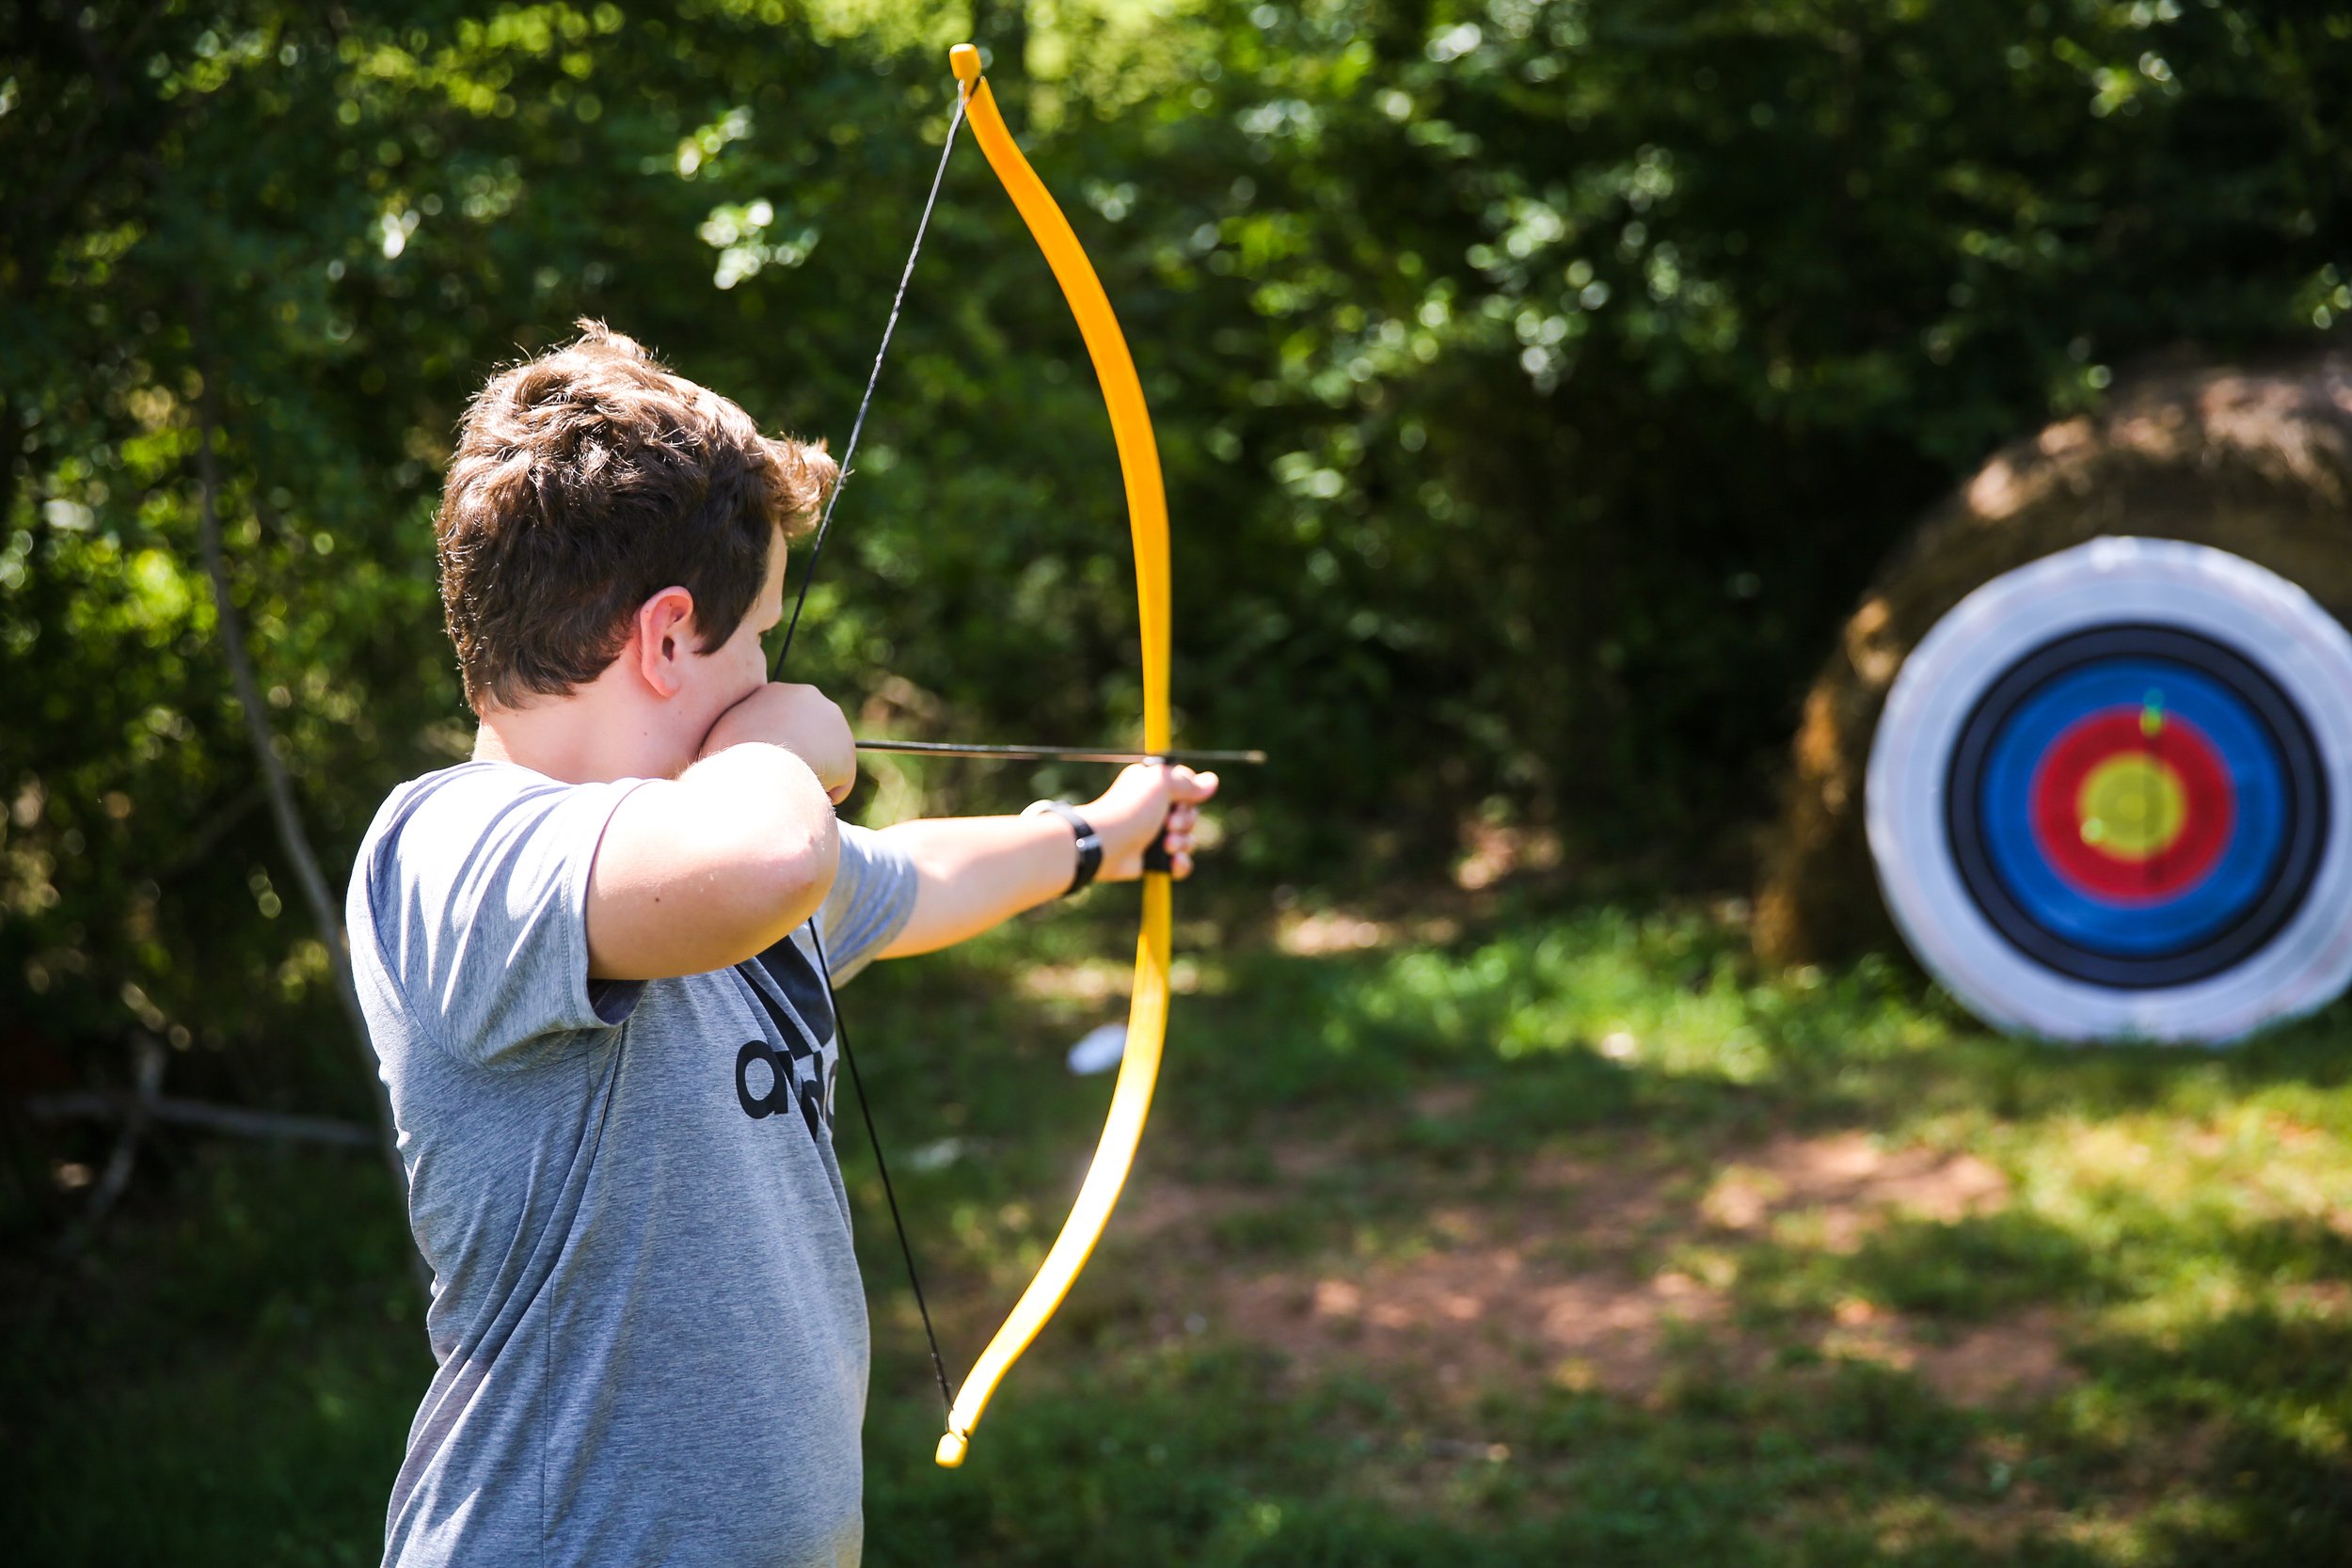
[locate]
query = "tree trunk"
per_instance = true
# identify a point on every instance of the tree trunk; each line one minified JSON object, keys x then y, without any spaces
{"x":324,"y":910}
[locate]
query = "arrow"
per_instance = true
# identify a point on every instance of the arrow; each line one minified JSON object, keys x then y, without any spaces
{"x":1055,"y":754}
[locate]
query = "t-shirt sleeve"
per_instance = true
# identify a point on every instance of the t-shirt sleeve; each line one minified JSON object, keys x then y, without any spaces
{"x":478,"y":893}
{"x":872,"y":899}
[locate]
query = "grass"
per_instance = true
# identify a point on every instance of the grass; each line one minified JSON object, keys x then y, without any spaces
{"x":1559,"y":1237}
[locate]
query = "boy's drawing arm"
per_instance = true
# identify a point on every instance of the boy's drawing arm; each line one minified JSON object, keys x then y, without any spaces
{"x":704,"y":870}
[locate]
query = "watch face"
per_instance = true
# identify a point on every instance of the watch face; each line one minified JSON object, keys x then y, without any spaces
{"x":2105,"y":797}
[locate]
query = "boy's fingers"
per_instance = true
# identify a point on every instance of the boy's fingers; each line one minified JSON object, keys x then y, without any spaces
{"x":1183,"y":785}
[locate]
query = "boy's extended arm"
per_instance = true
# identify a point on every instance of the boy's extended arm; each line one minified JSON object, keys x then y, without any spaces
{"x":706,"y":869}
{"x":973,"y":872}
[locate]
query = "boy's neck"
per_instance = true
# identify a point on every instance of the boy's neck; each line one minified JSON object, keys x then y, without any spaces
{"x":592,"y":735}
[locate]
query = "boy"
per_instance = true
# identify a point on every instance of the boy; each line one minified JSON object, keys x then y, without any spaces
{"x":588,"y":959}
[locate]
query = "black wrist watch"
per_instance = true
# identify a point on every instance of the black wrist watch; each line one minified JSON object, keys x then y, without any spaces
{"x":1089,"y":841}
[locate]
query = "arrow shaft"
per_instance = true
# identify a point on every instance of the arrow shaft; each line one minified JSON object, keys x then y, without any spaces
{"x":1056,"y":753}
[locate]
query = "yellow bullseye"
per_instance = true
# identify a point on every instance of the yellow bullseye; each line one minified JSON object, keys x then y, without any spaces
{"x":2132,"y":806}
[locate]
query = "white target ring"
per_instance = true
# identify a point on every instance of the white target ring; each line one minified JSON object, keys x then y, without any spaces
{"x":2110,"y":796}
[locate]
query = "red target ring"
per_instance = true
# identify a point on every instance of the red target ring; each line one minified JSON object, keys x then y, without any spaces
{"x":2133,"y":805}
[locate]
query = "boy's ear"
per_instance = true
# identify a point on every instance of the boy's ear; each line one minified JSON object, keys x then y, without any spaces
{"x":664,"y":639}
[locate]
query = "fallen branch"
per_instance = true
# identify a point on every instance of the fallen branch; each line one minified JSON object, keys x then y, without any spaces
{"x":236,"y":1121}
{"x":147,"y":1074}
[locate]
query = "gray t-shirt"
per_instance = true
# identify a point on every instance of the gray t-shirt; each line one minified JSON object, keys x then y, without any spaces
{"x":646,"y":1307}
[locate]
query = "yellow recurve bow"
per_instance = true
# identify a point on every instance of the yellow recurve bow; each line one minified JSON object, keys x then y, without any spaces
{"x":1147,"y":516}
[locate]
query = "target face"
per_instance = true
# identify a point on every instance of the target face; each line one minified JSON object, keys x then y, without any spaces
{"x":2104,"y":800}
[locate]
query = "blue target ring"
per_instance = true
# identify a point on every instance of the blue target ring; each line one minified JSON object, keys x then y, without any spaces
{"x":2140,"y":929}
{"x":2270,"y":783}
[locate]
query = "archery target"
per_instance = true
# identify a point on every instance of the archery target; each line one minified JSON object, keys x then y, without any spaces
{"x":2105,"y":798}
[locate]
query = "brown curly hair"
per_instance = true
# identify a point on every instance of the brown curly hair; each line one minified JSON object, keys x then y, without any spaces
{"x":585,"y":481}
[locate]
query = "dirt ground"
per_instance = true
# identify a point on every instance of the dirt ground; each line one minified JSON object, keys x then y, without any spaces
{"x":1563,"y":1280}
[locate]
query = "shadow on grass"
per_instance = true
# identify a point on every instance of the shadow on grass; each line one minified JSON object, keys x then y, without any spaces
{"x":2269,"y":1394}
{"x":229,"y":1378}
{"x":1188,"y":1461}
{"x":1965,"y":1269}
{"x":1210,"y":1455}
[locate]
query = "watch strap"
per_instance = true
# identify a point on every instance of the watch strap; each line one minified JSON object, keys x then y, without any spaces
{"x":1089,"y":841}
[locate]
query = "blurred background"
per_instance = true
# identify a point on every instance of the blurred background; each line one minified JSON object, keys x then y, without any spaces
{"x":1541,"y":386}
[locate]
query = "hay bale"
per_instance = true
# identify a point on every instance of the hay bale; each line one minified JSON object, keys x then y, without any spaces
{"x":2255,"y":462}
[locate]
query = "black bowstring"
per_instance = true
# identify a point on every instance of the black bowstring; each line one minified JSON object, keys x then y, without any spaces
{"x":873,"y":379}
{"x":865,"y":1110}
{"x":808,"y":575}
